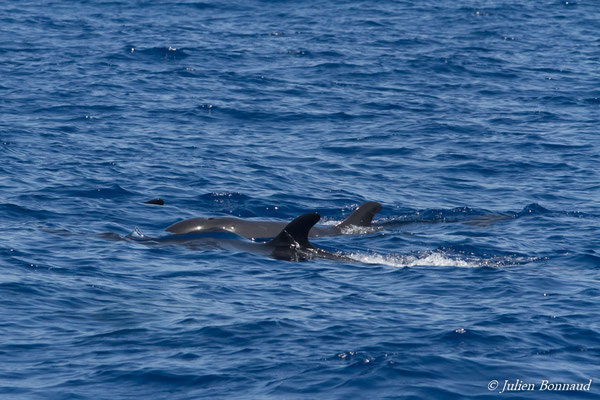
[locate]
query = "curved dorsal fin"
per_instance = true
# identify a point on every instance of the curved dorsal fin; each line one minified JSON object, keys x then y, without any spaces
{"x":296,"y":231}
{"x":362,"y":216}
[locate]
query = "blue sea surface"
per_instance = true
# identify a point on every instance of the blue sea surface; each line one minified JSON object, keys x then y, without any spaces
{"x":474,"y":123}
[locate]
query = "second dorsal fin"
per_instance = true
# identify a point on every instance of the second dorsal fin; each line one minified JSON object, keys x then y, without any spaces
{"x":296,"y":231}
{"x":362,"y":216}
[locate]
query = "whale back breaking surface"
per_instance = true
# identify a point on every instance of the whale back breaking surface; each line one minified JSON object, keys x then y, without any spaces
{"x":246,"y":228}
{"x":290,"y":244}
{"x":362,"y":217}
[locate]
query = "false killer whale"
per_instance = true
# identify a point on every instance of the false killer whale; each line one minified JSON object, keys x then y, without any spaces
{"x":362,"y":217}
{"x":290,"y":244}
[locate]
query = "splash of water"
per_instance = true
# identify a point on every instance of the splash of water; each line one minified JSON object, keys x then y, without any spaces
{"x":427,"y":259}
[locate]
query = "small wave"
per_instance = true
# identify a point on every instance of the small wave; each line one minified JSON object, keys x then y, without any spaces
{"x":111,"y":192}
{"x":17,"y":211}
{"x":224,"y":195}
{"x":532,"y":209}
{"x":166,"y":53}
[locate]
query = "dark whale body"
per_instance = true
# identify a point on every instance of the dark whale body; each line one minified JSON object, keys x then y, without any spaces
{"x":290,"y":244}
{"x":362,"y":217}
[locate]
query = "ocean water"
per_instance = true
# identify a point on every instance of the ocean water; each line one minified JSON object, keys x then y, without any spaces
{"x":474,"y":124}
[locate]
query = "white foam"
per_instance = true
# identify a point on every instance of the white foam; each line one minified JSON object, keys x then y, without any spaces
{"x":426,"y":259}
{"x":329,"y":222}
{"x":359,"y":230}
{"x":136,"y":234}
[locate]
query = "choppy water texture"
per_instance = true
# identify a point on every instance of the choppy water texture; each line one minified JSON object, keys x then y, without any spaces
{"x":475,"y":124}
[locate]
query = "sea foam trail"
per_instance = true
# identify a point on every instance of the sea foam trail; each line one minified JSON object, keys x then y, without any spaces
{"x":440,"y":258}
{"x":429,"y":259}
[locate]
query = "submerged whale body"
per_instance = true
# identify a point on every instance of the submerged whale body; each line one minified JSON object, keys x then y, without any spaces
{"x":362,"y":217}
{"x":291,"y":243}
